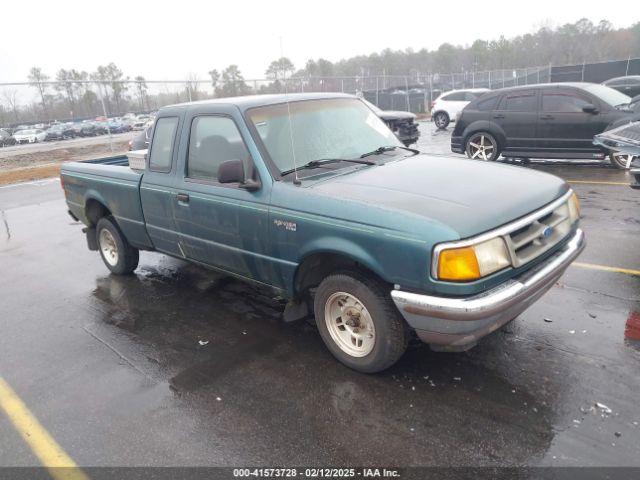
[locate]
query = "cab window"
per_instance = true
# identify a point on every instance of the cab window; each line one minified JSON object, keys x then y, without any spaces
{"x":214,"y":140}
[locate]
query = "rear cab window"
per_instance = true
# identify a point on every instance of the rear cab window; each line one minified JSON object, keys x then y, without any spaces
{"x":164,"y":135}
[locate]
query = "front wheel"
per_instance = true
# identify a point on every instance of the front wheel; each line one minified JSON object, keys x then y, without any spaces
{"x":620,"y":160}
{"x":359,"y":323}
{"x":442,"y":120}
{"x":116,"y":252}
{"x":482,"y":146}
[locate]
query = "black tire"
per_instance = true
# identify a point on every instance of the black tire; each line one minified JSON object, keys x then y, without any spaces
{"x":441,"y":120}
{"x":489,"y":145}
{"x":127,"y":257}
{"x":391,"y":331}
{"x":619,"y":161}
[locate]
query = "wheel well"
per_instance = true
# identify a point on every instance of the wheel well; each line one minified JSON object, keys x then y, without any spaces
{"x":314,"y":268}
{"x":94,"y":211}
{"x":487,"y":131}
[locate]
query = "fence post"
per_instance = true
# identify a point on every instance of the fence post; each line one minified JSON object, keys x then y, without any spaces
{"x":627,"y":70}
{"x":377,"y":97}
{"x":342,"y":83}
{"x":406,"y":86}
{"x":104,"y":111}
{"x":582,"y":80}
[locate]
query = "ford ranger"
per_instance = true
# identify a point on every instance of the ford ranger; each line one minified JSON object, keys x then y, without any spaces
{"x":313,"y":196}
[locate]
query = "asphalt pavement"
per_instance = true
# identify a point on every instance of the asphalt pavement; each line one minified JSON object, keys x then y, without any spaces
{"x":179,"y":366}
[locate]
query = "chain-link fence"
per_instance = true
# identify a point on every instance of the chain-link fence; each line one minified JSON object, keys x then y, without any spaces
{"x":30,"y":103}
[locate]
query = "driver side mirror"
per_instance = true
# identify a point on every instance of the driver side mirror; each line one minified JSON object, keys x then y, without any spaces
{"x":232,"y":171}
{"x":590,"y":108}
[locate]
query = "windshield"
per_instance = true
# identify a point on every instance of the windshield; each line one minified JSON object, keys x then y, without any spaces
{"x":26,"y":132}
{"x":608,"y":95}
{"x":372,"y":106}
{"x":320,"y":129}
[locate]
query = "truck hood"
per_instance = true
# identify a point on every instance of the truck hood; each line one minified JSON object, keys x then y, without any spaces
{"x":468,"y":196}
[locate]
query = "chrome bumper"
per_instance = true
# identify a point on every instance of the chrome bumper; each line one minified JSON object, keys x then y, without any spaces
{"x":460,"y":322}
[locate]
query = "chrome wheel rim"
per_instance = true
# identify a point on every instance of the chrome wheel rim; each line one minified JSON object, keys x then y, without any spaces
{"x":622,"y":159}
{"x":108,"y":247}
{"x":350,"y":324}
{"x":481,"y":147}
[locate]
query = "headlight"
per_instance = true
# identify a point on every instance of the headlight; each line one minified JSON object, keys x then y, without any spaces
{"x":473,"y":262}
{"x":574,"y":207}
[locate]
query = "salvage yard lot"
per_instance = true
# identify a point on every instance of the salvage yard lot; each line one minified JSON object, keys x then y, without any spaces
{"x":180,"y":366}
{"x":21,"y":163}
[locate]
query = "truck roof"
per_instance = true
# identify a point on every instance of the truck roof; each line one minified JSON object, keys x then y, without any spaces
{"x":250,"y":101}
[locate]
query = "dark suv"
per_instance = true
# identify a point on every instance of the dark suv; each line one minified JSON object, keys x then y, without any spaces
{"x":556,"y":120}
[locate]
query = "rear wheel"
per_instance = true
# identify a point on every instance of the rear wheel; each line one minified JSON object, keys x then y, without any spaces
{"x":620,"y":160}
{"x":442,"y":120}
{"x":482,"y":146}
{"x":116,"y":252}
{"x":359,"y":323}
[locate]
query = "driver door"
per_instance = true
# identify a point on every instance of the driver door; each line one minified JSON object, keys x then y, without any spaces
{"x":220,"y":225}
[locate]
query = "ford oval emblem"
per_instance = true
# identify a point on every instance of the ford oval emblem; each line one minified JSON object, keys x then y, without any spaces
{"x":547,"y":232}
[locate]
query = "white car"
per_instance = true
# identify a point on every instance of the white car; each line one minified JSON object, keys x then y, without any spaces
{"x":30,"y":136}
{"x":446,"y":107}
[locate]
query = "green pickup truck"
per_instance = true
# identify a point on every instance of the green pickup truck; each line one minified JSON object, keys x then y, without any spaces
{"x":313,"y":196}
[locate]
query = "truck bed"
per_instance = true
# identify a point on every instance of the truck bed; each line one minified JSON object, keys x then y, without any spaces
{"x":107,"y":183}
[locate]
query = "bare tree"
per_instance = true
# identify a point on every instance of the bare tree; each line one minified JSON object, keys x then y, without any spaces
{"x":191,"y":86}
{"x":37,"y":79}
{"x":65,"y":84}
{"x":10,"y":95}
{"x":215,"y":79}
{"x":141,"y":91}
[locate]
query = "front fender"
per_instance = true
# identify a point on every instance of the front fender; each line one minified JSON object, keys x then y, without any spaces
{"x":345,"y":248}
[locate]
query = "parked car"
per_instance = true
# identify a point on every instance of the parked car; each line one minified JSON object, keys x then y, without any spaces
{"x":84,"y":129}
{"x":372,"y":238}
{"x":447,"y":106}
{"x":141,"y":141}
{"x":629,"y":85}
{"x":60,"y":131}
{"x":402,"y":124}
{"x":139,"y":123}
{"x":556,"y":120}
{"x":119,"y":127}
{"x":625,"y":141}
{"x":5,"y":138}
{"x":30,"y":136}
{"x":101,"y":127}
{"x":634,"y":104}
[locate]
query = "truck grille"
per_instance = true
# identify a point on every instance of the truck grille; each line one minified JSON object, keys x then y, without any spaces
{"x":537,"y":237}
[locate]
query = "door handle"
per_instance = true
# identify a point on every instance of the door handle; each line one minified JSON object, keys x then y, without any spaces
{"x":499,"y":115}
{"x":183,"y":197}
{"x":546,"y":117}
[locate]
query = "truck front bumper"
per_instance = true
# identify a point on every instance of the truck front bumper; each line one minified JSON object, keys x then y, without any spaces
{"x":458,"y":323}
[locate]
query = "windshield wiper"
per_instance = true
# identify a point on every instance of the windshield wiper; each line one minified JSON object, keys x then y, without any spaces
{"x":325,"y":161}
{"x":388,"y":148}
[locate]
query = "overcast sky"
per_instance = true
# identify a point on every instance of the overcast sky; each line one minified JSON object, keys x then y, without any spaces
{"x":164,"y":40}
